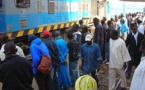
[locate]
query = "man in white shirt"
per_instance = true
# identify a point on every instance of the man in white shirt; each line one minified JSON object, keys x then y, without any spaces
{"x":140,"y":25}
{"x":4,"y":39}
{"x":2,"y":56}
{"x":119,"y":55}
{"x":138,"y":79}
{"x":19,"y":51}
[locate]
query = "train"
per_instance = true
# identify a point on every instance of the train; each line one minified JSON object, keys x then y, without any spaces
{"x":20,"y":18}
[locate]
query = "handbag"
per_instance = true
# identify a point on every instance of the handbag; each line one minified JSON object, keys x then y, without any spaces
{"x":45,"y":63}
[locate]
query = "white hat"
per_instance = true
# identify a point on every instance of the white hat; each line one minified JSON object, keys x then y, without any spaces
{"x":140,"y":19}
{"x":88,"y":37}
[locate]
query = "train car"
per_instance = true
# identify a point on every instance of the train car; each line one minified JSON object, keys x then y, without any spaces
{"x":115,"y":7}
{"x":23,"y":17}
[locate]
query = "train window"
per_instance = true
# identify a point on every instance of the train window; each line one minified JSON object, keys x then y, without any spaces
{"x":0,"y":3}
{"x":51,"y":6}
{"x":23,"y":3}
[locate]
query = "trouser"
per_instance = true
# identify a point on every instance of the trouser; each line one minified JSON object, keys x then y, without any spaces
{"x":112,"y":77}
{"x":54,"y":78}
{"x":118,"y":33}
{"x":129,"y":68}
{"x":124,"y":36}
{"x":73,"y":68}
{"x":43,"y":81}
{"x":94,"y":75}
{"x":107,"y":50}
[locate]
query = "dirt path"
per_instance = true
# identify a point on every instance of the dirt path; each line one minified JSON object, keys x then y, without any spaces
{"x":103,"y":78}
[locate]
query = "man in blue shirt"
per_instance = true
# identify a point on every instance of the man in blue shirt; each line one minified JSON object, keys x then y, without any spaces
{"x":91,"y":56}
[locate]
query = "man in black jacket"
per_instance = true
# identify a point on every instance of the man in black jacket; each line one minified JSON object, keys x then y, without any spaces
{"x":15,"y":71}
{"x":133,"y":43}
{"x":54,"y":56}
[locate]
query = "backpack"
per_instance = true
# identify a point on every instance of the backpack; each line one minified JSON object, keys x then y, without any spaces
{"x":45,"y":63}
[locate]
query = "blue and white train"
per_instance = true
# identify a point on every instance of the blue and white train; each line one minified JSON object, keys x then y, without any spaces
{"x":23,"y":17}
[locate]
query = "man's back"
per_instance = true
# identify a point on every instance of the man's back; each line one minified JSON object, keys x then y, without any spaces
{"x":53,"y":50}
{"x":62,"y":48}
{"x":73,"y":50}
{"x":16,"y":74}
{"x":19,"y":51}
{"x":99,"y":33}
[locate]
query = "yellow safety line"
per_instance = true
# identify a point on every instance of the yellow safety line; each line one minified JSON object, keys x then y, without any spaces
{"x":31,"y":31}
{"x":20,"y":33}
{"x":48,"y":28}
{"x":55,"y":26}
{"x":62,"y":25}
{"x":9,"y":35}
{"x":40,"y":29}
{"x":72,"y":24}
{"x":67,"y":24}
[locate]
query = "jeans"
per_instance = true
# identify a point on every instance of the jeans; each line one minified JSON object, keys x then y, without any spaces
{"x":73,"y":68}
{"x":107,"y":49}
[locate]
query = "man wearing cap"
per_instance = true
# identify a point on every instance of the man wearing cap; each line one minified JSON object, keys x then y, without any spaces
{"x":51,"y":45}
{"x":37,"y":49}
{"x":133,"y":43}
{"x":140,"y":25}
{"x":15,"y":71}
{"x":91,"y":56}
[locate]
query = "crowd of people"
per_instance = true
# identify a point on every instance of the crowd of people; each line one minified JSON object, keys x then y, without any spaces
{"x":119,"y":41}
